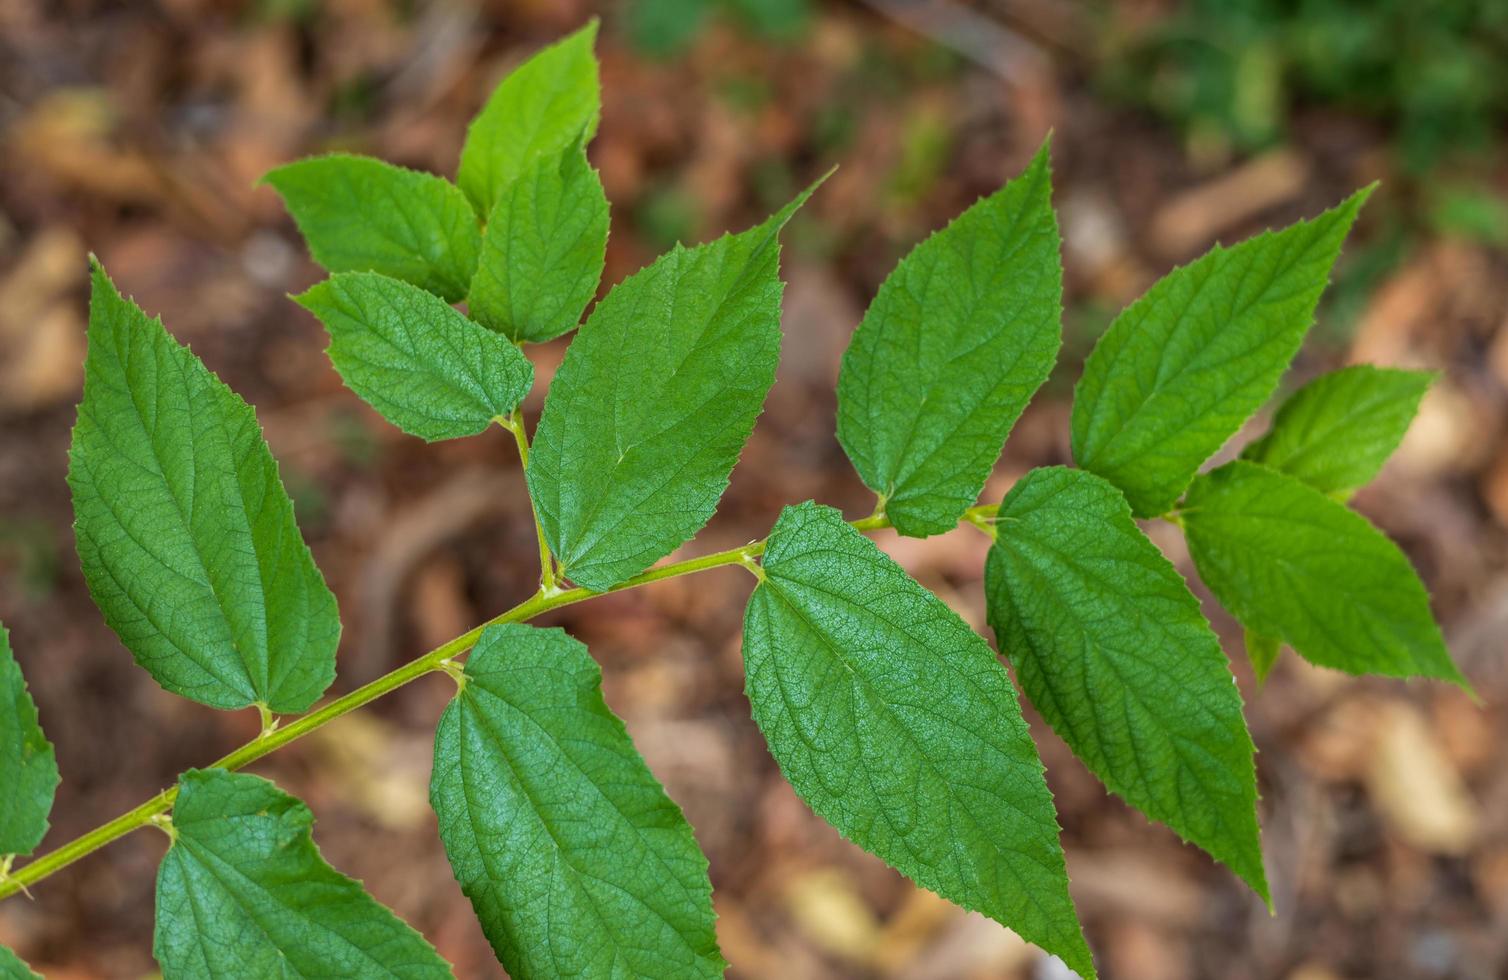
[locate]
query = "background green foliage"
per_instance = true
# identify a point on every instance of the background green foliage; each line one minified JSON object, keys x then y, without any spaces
{"x":1435,"y":72}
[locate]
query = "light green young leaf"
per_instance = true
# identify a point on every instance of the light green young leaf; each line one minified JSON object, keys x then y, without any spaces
{"x":243,"y":892}
{"x":12,"y":967}
{"x":957,"y":339}
{"x":1263,"y":652}
{"x":1337,"y":431}
{"x":1111,"y":647}
{"x":1182,"y":368}
{"x":426,"y":368}
{"x":185,"y":533}
{"x":539,"y":109}
{"x":654,"y":401}
{"x":543,"y":253}
{"x":575,"y":860}
{"x":28,"y":767}
{"x":1293,"y":564}
{"x":363,"y":215}
{"x":897,"y":725}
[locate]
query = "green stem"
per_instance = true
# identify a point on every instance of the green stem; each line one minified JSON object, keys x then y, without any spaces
{"x":437,"y":659}
{"x":515,"y":424}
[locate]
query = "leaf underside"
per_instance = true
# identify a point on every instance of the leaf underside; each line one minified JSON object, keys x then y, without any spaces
{"x":957,"y":340}
{"x":1110,"y":646}
{"x":1183,"y":367}
{"x":358,"y":214}
{"x":28,"y":766}
{"x":186,"y":536}
{"x":1263,"y":652}
{"x":575,"y":860}
{"x":423,"y":366}
{"x":896,"y":724}
{"x":1293,"y":564}
{"x":243,"y":892}
{"x":653,"y":403}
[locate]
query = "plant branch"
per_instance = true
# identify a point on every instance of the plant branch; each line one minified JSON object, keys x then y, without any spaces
{"x":441,"y":658}
{"x":515,"y":423}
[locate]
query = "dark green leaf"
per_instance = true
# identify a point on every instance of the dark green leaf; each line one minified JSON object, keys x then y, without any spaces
{"x":28,"y":768}
{"x":185,"y":533}
{"x":1182,"y":368}
{"x":363,"y":215}
{"x":1293,"y":564}
{"x":243,"y":892}
{"x":407,"y":353}
{"x":1111,"y":647}
{"x":575,"y":860}
{"x":897,"y":725}
{"x":1337,"y":431}
{"x":543,"y":253}
{"x":654,"y":401}
{"x":956,"y":341}
{"x":539,"y":109}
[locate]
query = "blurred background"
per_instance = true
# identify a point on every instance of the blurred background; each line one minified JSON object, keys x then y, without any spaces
{"x":138,"y":130}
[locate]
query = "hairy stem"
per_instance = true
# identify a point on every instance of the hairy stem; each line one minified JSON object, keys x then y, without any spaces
{"x":438,"y":659}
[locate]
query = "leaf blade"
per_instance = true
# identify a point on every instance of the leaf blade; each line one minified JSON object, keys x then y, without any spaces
{"x":359,"y":214}
{"x":543,"y":251}
{"x":1183,"y":367}
{"x":1263,"y":652}
{"x":541,"y":107}
{"x":243,"y":891}
{"x":613,"y":878}
{"x":958,"y":338}
{"x":1110,"y":646}
{"x":423,"y":366}
{"x":1293,"y":564}
{"x":1337,"y":431}
{"x":220,"y":603}
{"x":28,"y":765}
{"x":704,"y":328}
{"x":12,"y":967}
{"x":880,"y":761}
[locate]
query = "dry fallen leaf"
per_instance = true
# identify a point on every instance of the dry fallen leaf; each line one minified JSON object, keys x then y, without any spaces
{"x":1416,"y":788}
{"x":826,"y":906}
{"x":374,"y":764}
{"x":1199,"y":215}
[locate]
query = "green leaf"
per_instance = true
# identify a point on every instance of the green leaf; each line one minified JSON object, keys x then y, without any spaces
{"x":543,"y":253}
{"x":897,"y":725}
{"x":1337,"y":431}
{"x":539,"y":109}
{"x":1296,"y":565}
{"x":243,"y":892}
{"x":185,"y":533}
{"x":1182,"y":368}
{"x":12,"y":967}
{"x":363,"y":215}
{"x":1263,"y":652}
{"x":956,"y":341}
{"x":575,"y":860}
{"x":426,"y":368}
{"x":1111,"y":647}
{"x":28,"y":767}
{"x":654,"y":401}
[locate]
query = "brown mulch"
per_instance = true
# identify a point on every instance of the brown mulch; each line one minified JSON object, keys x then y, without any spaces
{"x":137,"y":131}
